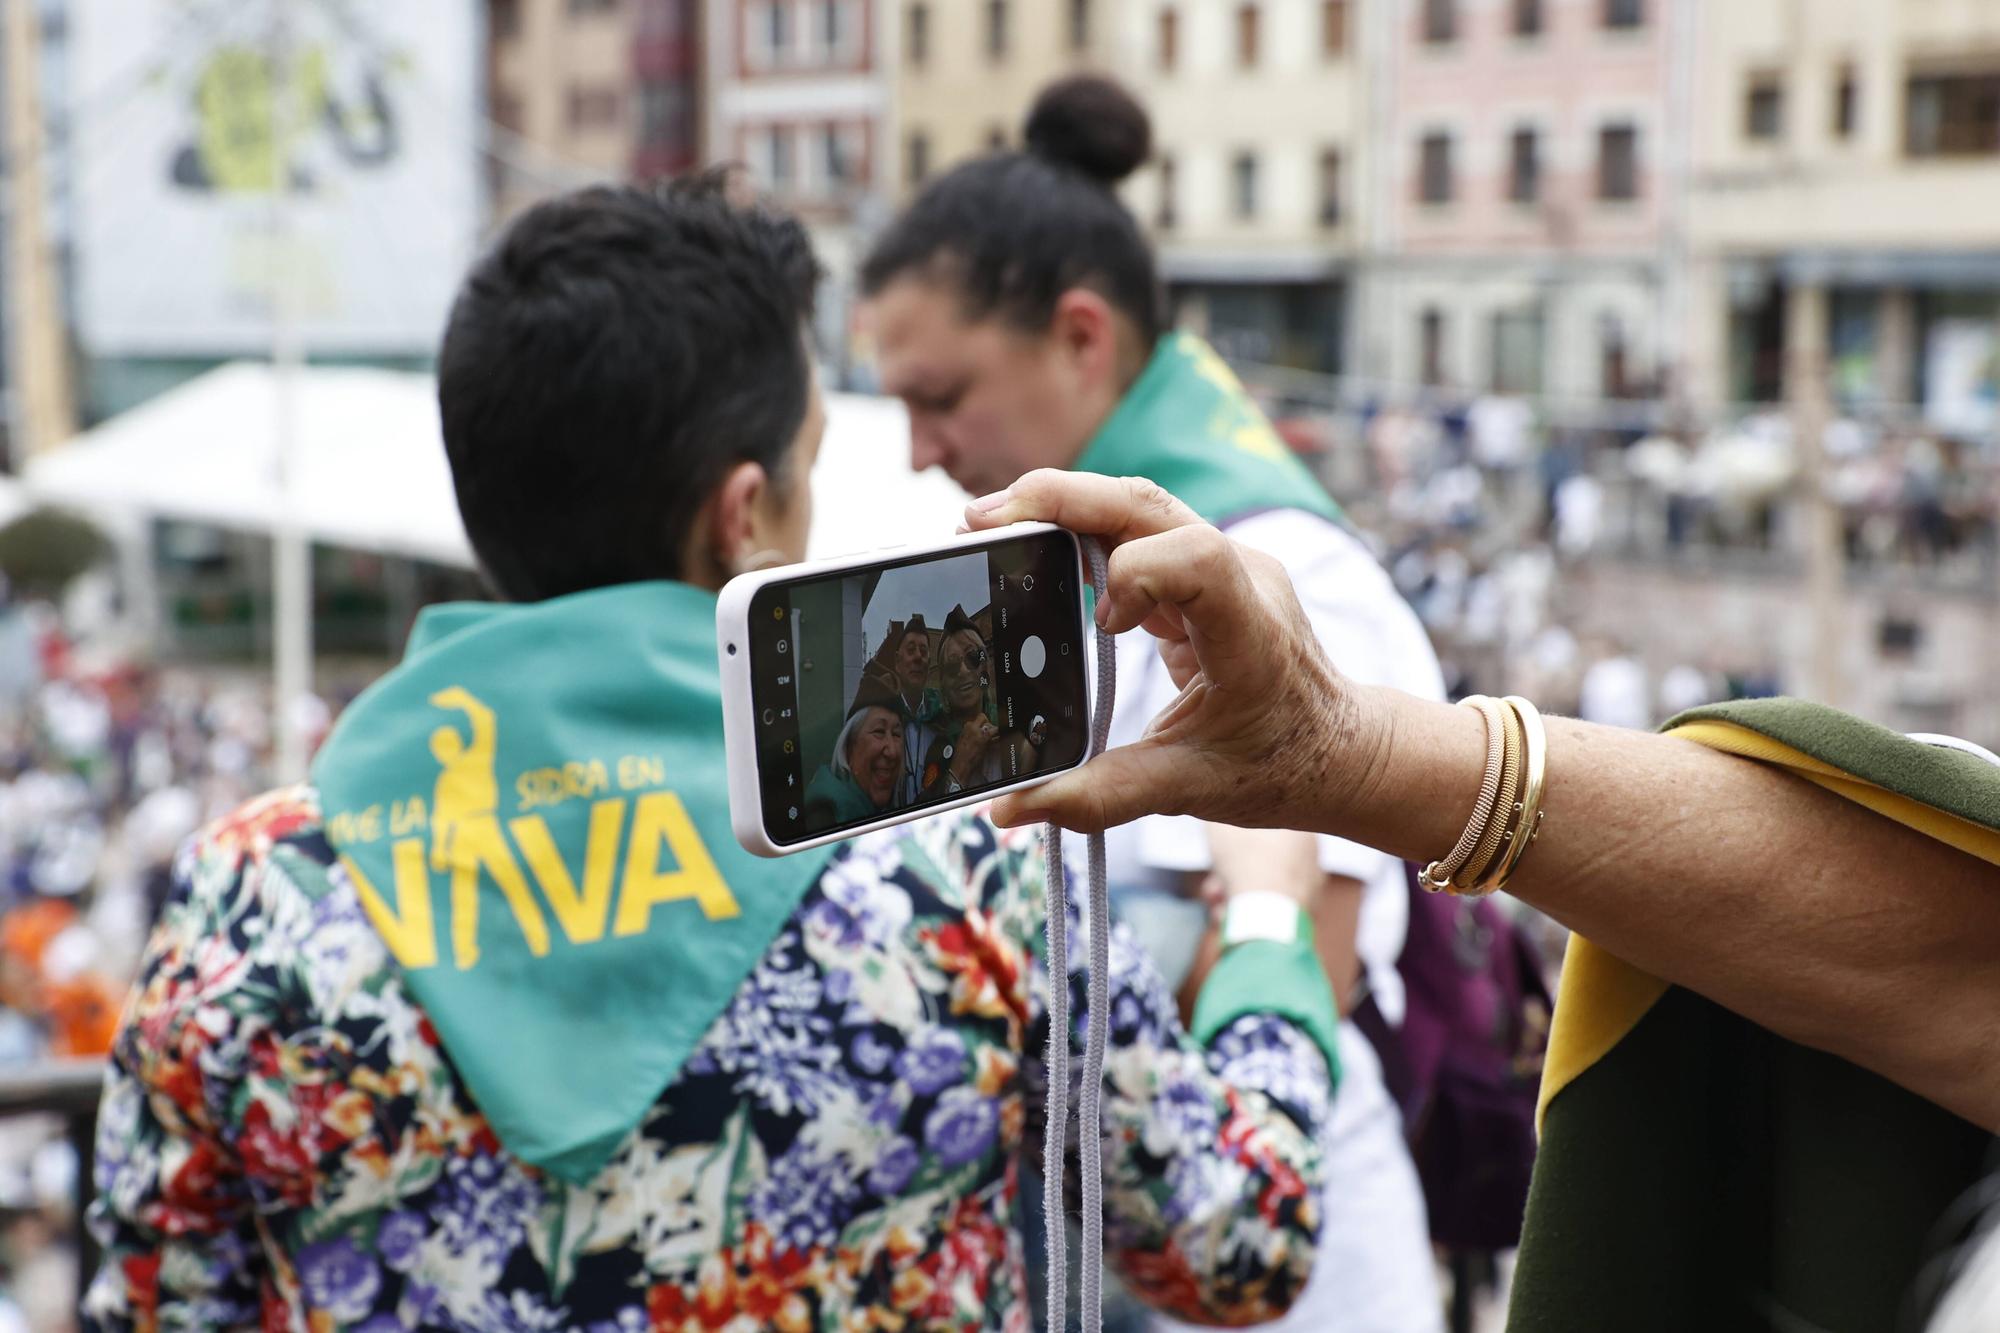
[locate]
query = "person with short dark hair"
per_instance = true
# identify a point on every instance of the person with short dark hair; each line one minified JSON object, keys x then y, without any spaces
{"x":598,"y":1068}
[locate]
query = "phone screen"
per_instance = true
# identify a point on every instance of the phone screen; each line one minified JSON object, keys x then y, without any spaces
{"x":892,"y":688}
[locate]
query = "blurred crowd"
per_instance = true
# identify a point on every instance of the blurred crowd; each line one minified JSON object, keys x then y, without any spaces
{"x":1486,"y":510}
{"x":106,"y":766}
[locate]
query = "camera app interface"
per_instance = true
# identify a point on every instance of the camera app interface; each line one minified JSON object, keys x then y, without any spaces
{"x":913,"y":683}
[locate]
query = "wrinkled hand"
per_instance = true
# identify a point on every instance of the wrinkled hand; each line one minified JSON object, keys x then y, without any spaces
{"x":970,"y":747}
{"x":1264,"y":733}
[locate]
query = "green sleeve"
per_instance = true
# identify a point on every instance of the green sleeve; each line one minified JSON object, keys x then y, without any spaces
{"x":1266,"y":977}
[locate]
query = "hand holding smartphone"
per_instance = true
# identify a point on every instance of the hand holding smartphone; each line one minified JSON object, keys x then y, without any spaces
{"x":867,"y":691}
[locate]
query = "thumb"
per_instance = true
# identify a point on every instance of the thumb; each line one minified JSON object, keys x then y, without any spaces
{"x":1115,"y":788}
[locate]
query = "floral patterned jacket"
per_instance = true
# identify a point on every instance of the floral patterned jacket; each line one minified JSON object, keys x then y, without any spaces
{"x":284,"y":1144}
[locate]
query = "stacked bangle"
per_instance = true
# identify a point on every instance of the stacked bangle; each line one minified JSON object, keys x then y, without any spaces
{"x":1508,"y":814}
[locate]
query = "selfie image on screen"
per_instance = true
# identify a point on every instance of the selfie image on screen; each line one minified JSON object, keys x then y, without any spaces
{"x":900,"y":687}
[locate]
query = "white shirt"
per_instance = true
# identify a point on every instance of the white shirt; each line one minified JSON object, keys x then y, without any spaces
{"x":1373,"y":637}
{"x":1375,"y":1272}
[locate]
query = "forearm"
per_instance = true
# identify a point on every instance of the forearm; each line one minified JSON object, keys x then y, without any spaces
{"x":1286,"y":861}
{"x":1784,"y":902}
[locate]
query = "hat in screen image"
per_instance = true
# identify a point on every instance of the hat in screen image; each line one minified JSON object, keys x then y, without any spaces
{"x":875,"y":691}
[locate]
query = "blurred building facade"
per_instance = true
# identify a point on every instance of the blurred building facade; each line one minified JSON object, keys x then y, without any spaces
{"x":1530,"y":195}
{"x":1853,"y":148}
{"x":1256,"y":197}
{"x":801,"y":93}
{"x":966,"y":71}
{"x":589,"y":89}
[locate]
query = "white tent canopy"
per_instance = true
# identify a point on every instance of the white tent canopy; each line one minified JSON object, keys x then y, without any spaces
{"x":371,"y":471}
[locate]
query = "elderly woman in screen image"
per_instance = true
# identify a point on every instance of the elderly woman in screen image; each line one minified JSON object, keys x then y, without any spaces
{"x":860,"y":779}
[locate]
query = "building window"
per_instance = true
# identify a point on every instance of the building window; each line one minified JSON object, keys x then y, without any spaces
{"x":779,"y":29}
{"x":1170,"y":38}
{"x":919,"y":43}
{"x":1517,"y":350}
{"x":1243,"y":186}
{"x":1764,"y":109}
{"x":920,"y":157}
{"x":592,"y":108}
{"x":1329,"y":187}
{"x":1431,"y":340}
{"x":1524,"y":166}
{"x":1618,"y":163}
{"x":831,"y":29}
{"x":663,"y":113}
{"x":1846,"y":104}
{"x":1953,"y":115}
{"x":1163,"y":216}
{"x":1079,"y":25}
{"x":1440,"y":21}
{"x":996,"y":29}
{"x":1333,"y":28}
{"x":1247,"y":35}
{"x":780,"y":170}
{"x":506,"y":18}
{"x":769,"y":35}
{"x":1434,"y":184}
{"x":1528,"y":18}
{"x":835,"y":162}
{"x":1624,"y":14}
{"x":1614,"y":368}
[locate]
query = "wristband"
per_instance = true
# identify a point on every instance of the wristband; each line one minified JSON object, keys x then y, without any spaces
{"x":1261,"y":914}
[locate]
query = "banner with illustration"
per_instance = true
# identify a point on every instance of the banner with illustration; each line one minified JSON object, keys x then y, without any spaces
{"x":177,"y":128}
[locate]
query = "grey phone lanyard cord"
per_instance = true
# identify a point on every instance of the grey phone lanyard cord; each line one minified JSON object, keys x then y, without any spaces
{"x":1090,"y":1133}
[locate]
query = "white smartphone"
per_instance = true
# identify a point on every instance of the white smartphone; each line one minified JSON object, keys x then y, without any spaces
{"x":865,"y":691}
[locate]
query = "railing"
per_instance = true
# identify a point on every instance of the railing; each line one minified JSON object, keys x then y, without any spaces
{"x":70,"y":1089}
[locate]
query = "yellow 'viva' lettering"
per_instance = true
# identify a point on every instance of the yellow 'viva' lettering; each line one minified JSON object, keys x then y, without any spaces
{"x":660,"y":820}
{"x":408,"y":930}
{"x":479,"y":845}
{"x":665,"y":862}
{"x":582,"y":916}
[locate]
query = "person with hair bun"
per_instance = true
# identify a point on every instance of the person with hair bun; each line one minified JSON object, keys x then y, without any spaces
{"x":1017,"y":311}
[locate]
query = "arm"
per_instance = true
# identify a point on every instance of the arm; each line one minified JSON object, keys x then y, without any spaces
{"x":1799,"y":910}
{"x":1823,"y":922}
{"x":1285,"y":862}
{"x":173,"y":1211}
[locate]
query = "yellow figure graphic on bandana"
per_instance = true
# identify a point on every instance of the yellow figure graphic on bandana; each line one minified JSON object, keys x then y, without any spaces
{"x":465,"y":829}
{"x":467,"y":791}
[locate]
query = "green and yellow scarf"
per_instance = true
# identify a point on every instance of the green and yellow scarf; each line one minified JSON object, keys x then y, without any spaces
{"x":1187,"y":424}
{"x":1698,"y":1172}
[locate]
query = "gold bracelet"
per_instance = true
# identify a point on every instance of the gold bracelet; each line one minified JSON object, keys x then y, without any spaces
{"x":1528,"y":817}
{"x":1437,"y":876}
{"x":1492,"y":840}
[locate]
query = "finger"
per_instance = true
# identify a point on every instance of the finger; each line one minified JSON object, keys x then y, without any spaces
{"x":1115,"y":788}
{"x":1114,"y":509}
{"x":1202,"y":576}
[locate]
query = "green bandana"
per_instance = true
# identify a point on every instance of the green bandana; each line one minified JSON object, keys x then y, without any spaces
{"x":534,"y":811}
{"x":1187,"y":424}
